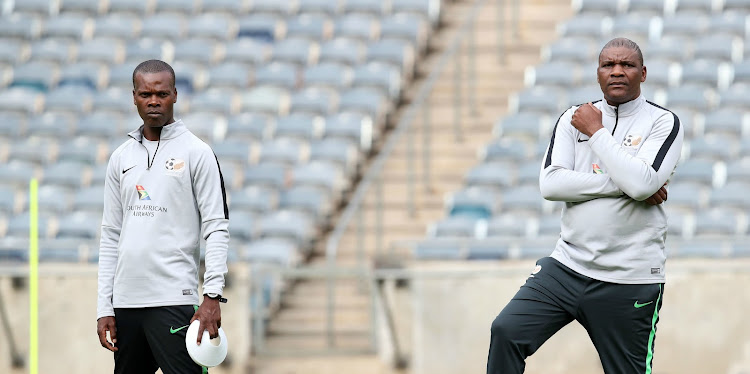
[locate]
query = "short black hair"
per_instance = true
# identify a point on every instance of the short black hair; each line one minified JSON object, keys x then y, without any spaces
{"x":623,"y":42}
{"x":153,"y":66}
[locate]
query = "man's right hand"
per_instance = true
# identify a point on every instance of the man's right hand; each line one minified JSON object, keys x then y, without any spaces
{"x":103,"y":325}
{"x":658,"y":197}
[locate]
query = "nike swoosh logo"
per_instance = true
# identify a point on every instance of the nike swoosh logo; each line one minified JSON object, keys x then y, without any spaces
{"x":173,"y":330}
{"x":582,"y":140}
{"x":126,"y":170}
{"x":641,"y":305}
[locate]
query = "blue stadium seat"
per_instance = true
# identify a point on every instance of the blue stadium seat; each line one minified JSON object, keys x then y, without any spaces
{"x":53,"y":199}
{"x":574,"y":49}
{"x":695,"y":170}
{"x":247,"y":51}
{"x":394,"y":51}
{"x":343,"y":50}
{"x":89,"y":199}
{"x":40,"y":76}
{"x":717,"y":221}
{"x":409,"y":27}
{"x":209,"y":126}
{"x":253,"y":126}
{"x":88,"y":74}
{"x":695,"y":98}
{"x":508,"y":225}
{"x":598,"y":7}
{"x":266,"y":99}
{"x":355,"y":127}
{"x":261,"y":27}
{"x":366,"y":101}
{"x":231,"y":7}
{"x":742,"y":72}
{"x":528,"y":172}
{"x":738,"y":170}
{"x":215,"y":26}
{"x":662,"y":73}
{"x":230,"y":74}
{"x":487,"y":250}
{"x":66,"y":250}
{"x":736,"y":4}
{"x":266,"y":174}
{"x":429,"y":9}
{"x":7,"y":200}
{"x":696,"y":6}
{"x":719,"y":47}
{"x":507,"y":149}
{"x":736,"y":96}
{"x":455,"y":227}
{"x":522,"y":125}
{"x":123,"y":26}
{"x":311,"y":201}
{"x":562,"y":73}
{"x":440,"y":249}
{"x":545,"y":100}
{"x":728,"y":121}
{"x":20,"y":26}
{"x":328,"y":74}
{"x":14,"y":250}
{"x":37,"y":7}
{"x":165,"y":7}
{"x":320,"y":174}
{"x":523,"y":198}
{"x":476,"y":202}
{"x":169,"y":26}
{"x":81,"y":150}
{"x":221,"y":100}
{"x":732,"y":195}
{"x":13,"y":51}
{"x":375,"y":7}
{"x":299,"y":51}
{"x":67,"y":174}
{"x":360,"y":26}
{"x":687,"y":196}
{"x":118,"y":99}
{"x":287,"y":224}
{"x":315,"y":100}
{"x":384,"y":77}
{"x":685,"y":24}
{"x":38,"y":150}
{"x":232,"y":150}
{"x":309,"y":26}
{"x":53,"y":125}
{"x":274,"y":6}
{"x":496,"y":175}
{"x":256,"y":199}
{"x":80,"y":225}
{"x":12,"y":124}
{"x":281,"y":74}
{"x":302,"y":126}
{"x":585,"y":25}
{"x":197,"y":50}
{"x":72,"y":26}
{"x":339,"y":151}
{"x":143,"y":49}
{"x":729,"y":22}
{"x":705,"y":72}
{"x":18,"y":225}
{"x":138,"y":8}
{"x":713,"y":147}
{"x":668,"y":48}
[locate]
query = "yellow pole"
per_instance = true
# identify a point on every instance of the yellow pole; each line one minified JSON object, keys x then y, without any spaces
{"x":33,"y":278}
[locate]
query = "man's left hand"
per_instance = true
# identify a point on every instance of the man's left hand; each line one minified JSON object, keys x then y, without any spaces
{"x":209,"y":313}
{"x":587,"y":119}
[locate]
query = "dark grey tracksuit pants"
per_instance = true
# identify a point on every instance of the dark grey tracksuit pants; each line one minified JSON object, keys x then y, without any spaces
{"x":620,"y":319}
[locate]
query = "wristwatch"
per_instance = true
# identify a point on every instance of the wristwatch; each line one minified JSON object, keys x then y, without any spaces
{"x":215,"y":296}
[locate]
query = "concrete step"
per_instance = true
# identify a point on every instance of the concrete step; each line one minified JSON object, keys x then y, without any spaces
{"x":298,"y":344}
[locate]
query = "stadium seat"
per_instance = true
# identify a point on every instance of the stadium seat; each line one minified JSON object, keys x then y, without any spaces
{"x":298,"y":51}
{"x":729,"y":22}
{"x":394,"y":51}
{"x":18,"y":225}
{"x":229,"y":7}
{"x":355,"y":127}
{"x":428,"y":9}
{"x":54,"y":125}
{"x":410,"y":27}
{"x":266,"y":99}
{"x":40,"y":76}
{"x":320,"y":174}
{"x":88,"y":74}
{"x":691,"y":97}
{"x":309,"y":26}
{"x":7,"y":200}
{"x":209,"y":126}
{"x":585,"y":25}
{"x":315,"y":100}
{"x":699,"y":249}
{"x":668,"y":48}
{"x":22,"y":100}
{"x":366,"y":101}
{"x":717,"y":221}
{"x":117,"y":26}
{"x":727,"y":121}
{"x":440,"y":249}
{"x":66,"y":250}
{"x":21,"y":26}
{"x":343,"y":50}
{"x":549,"y":225}
{"x":13,"y":51}
{"x":84,"y":150}
{"x":455,"y":227}
{"x":137,"y":8}
{"x":67,"y":174}
{"x":261,"y":27}
{"x":696,"y":6}
{"x":528,"y":172}
{"x":339,"y":151}
{"x":383,"y":77}
{"x":526,"y":126}
{"x":328,"y":74}
{"x":289,"y":225}
{"x":280,"y":74}
{"x":80,"y":225}
{"x":36,"y":7}
{"x":375,"y":7}
{"x":115,"y":99}
{"x":364,"y":27}
{"x":715,"y":147}
{"x":636,"y":27}
{"x":274,"y":6}
{"x":695,"y":170}
{"x":252,"y":126}
{"x":687,"y":24}
{"x":230,"y":74}
{"x":246,"y":52}
{"x":242,"y":225}
{"x":89,"y":199}
{"x":12,"y":124}
{"x":92,"y":7}
{"x":56,"y":51}
{"x":52,"y":200}
{"x":705,"y":72}
{"x":476,"y":202}
{"x":197,"y":50}
{"x":736,"y":96}
{"x":220,"y":100}
{"x":71,"y":99}
{"x":14,"y":250}
{"x":214,"y":26}
{"x":232,"y":150}
{"x":143,"y":49}
{"x":736,"y":4}
{"x":308,"y":200}
{"x":279,"y":251}
{"x":506,"y":149}
{"x":330,"y":8}
{"x":269,"y":174}
{"x":732,"y":195}
{"x":719,"y":47}
{"x":495,"y":174}
{"x":535,"y":250}
{"x":487,"y":250}
{"x":301,"y":126}
{"x":164,"y":26}
{"x":165,"y":7}
{"x":523,"y":199}
{"x":582,"y":95}
{"x":72,"y":26}
{"x":544,"y":100}
{"x":599,"y":7}
{"x":510,"y":226}
{"x":738,"y":170}
{"x":256,"y":199}
{"x":563,"y":74}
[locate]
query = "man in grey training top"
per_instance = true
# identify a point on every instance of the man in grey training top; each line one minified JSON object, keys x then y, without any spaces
{"x":609,"y":161}
{"x":163,"y":191}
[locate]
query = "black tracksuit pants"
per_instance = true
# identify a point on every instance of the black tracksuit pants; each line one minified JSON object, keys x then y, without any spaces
{"x":620,"y":319}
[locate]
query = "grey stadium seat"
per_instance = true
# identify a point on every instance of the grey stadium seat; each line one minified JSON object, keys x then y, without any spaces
{"x":700,"y":249}
{"x":209,"y":126}
{"x":429,"y":9}
{"x":528,"y":172}
{"x":586,"y":25}
{"x":38,"y":150}
{"x":18,"y":226}
{"x":311,"y":201}
{"x":339,"y":151}
{"x":83,"y":6}
{"x":89,"y":199}
{"x":662,"y":73}
{"x":522,"y":198}
{"x":198,"y":50}
{"x":729,"y":22}
{"x":290,"y":225}
{"x":549,"y":225}
{"x":487,"y":250}
{"x":507,"y":226}
{"x":261,"y":27}
{"x":733,"y":195}
{"x":453,"y":227}
{"x":12,"y":124}
{"x":736,"y":96}
{"x":20,"y":26}
{"x":474,"y":202}
{"x":365,"y":100}
{"x":687,"y":196}
{"x":37,"y":7}
{"x":282,"y":74}
{"x":562,"y":73}
{"x":117,"y":99}
{"x":521,"y":125}
{"x":360,"y":26}
{"x":22,"y":100}
{"x":80,"y":225}
{"x":546,"y":100}
{"x":375,"y":7}
{"x":440,"y":249}
{"x":274,"y":6}
{"x":13,"y":51}
{"x":213,"y":25}
{"x":224,"y":6}
{"x":256,"y":199}
{"x":599,"y":7}
{"x":327,"y":7}
{"x":634,"y":26}
{"x":57,"y":51}
{"x":279,"y":251}
{"x":394,"y":51}
{"x":736,"y":4}
{"x":247,"y":51}
{"x":69,"y":174}
{"x":55,"y":125}
{"x":717,"y":221}
{"x":130,"y":7}
{"x":72,"y":99}
{"x":730,"y":121}
{"x":100,"y":124}
{"x":216,"y":99}
{"x":310,"y":26}
{"x":81,"y":150}
{"x":253,"y":126}
{"x":328,"y":74}
{"x":410,"y":27}
{"x":266,"y":174}
{"x":315,"y":100}
{"x":582,"y":95}
{"x":73,"y":26}
{"x":7,"y":200}
{"x":355,"y":127}
{"x":384,"y":77}
{"x":243,"y":225}
{"x":164,"y":7}
{"x":695,"y":170}
{"x":299,"y":51}
{"x":669,"y":48}
{"x":89,"y":74}
{"x":742,"y":72}
{"x":697,"y":6}
{"x":54,"y":199}
{"x":697,"y":98}
{"x":738,"y":170}
{"x":685,"y":24}
{"x":117,"y":26}
{"x":41,"y":76}
{"x":720,"y":47}
{"x":265,"y":99}
{"x":230,"y":74}
{"x":343,"y":50}
{"x":144,"y":49}
{"x":232,"y":150}
{"x":164,"y":26}
{"x":189,"y":76}
{"x":495,"y":175}
{"x":320,"y":174}
{"x":505,"y":150}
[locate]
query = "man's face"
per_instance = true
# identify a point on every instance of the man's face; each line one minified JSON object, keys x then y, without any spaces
{"x":620,"y":74}
{"x":154,"y":95}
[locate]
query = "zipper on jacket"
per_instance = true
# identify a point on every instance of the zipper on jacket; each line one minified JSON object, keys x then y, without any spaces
{"x":149,"y":159}
{"x":617,"y":118}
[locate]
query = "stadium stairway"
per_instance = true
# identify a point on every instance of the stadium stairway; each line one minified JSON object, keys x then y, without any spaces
{"x":300,"y":324}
